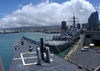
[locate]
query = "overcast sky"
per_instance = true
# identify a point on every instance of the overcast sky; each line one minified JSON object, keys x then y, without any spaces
{"x":45,"y":12}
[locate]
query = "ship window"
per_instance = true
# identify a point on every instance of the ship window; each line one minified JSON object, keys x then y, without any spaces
{"x":88,"y":36}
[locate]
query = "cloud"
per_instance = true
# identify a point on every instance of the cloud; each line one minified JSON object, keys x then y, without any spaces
{"x":46,"y":14}
{"x":4,"y":14}
{"x":20,"y":5}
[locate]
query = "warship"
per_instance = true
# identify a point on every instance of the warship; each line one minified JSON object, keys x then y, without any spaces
{"x":30,"y":55}
{"x":66,"y":39}
{"x":59,"y":43}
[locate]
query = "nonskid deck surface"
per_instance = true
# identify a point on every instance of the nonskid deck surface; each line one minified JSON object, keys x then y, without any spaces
{"x":27,"y":61}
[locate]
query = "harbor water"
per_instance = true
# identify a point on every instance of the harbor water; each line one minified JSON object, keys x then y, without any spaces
{"x":65,"y":51}
{"x":8,"y":40}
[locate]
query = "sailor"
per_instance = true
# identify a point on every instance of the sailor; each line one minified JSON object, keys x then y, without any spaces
{"x":30,"y":49}
{"x":22,"y":42}
{"x":15,"y":48}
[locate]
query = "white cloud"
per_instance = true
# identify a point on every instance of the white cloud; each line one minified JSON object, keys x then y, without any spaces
{"x":20,"y":5}
{"x":46,"y":14}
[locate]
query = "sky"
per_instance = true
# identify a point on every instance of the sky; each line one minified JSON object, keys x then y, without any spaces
{"x":20,"y":13}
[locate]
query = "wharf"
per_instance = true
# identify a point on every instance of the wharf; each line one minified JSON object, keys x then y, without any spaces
{"x":23,"y":60}
{"x":86,"y":59}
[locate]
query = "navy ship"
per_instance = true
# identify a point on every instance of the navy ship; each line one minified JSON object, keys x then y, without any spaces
{"x":30,"y":55}
{"x":59,"y":43}
{"x":66,"y":39}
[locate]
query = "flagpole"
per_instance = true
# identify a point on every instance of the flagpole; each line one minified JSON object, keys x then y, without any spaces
{"x":44,"y":36}
{"x":22,"y":31}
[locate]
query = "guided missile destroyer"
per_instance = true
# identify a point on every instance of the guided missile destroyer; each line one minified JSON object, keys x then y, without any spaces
{"x":66,"y":39}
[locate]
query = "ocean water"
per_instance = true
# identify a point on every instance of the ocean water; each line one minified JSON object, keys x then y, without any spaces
{"x":65,"y":51}
{"x":7,"y":41}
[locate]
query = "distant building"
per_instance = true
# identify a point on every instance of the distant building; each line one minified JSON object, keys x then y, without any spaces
{"x":8,"y":31}
{"x":64,"y":25}
{"x":93,"y":20}
{"x":1,"y":31}
{"x":99,"y":21}
{"x":92,"y":37}
{"x":84,"y":26}
{"x":78,"y":25}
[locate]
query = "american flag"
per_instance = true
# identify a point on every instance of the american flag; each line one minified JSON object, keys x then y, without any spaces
{"x":22,"y":29}
{"x":43,"y":34}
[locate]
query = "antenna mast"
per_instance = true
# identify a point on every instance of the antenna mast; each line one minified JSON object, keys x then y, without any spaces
{"x":74,"y":21}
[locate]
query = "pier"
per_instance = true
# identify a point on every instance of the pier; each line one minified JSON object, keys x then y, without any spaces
{"x":88,"y":60}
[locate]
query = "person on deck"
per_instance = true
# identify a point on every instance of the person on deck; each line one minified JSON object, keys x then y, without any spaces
{"x":30,"y":49}
{"x":15,"y":48}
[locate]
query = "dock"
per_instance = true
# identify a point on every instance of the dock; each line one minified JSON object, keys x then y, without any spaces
{"x":88,"y":60}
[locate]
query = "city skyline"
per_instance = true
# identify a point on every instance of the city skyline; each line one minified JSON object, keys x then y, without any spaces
{"x":19,"y":13}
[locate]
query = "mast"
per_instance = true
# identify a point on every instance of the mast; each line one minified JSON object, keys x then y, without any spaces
{"x":74,"y":21}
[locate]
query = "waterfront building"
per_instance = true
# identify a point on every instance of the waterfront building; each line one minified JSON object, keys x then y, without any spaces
{"x":93,"y":20}
{"x":64,"y":25}
{"x":78,"y":25}
{"x":92,"y":37}
{"x":1,"y":31}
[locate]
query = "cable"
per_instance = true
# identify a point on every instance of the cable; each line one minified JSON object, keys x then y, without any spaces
{"x":28,"y":67}
{"x":59,"y":50}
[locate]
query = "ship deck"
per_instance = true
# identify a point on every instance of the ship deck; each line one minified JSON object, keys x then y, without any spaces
{"x":55,"y":43}
{"x":23,"y":60}
{"x":87,"y":59}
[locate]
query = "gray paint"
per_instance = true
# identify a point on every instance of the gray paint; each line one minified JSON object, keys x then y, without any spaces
{"x":38,"y":56}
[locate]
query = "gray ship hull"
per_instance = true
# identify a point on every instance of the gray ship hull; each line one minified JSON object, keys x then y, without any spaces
{"x":55,"y":48}
{"x":58,"y":48}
